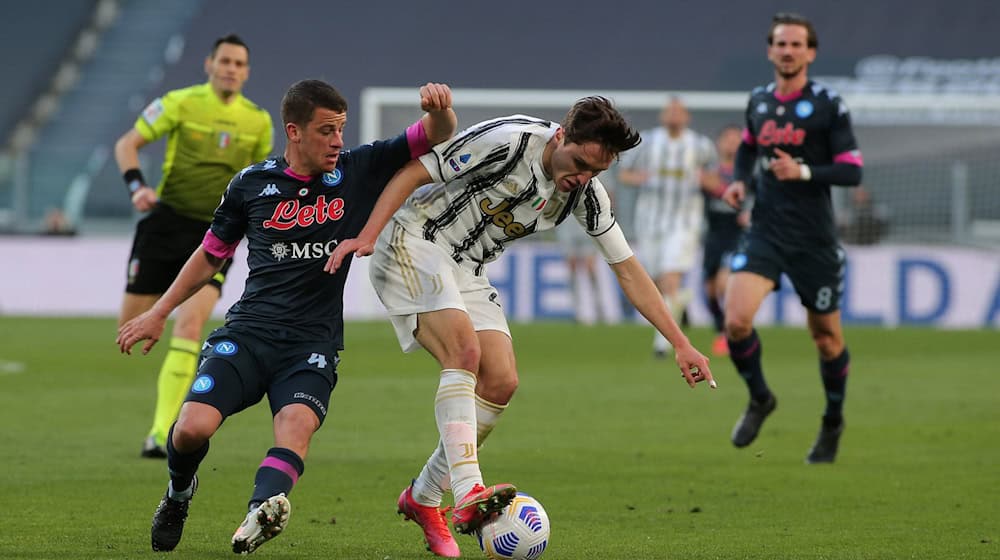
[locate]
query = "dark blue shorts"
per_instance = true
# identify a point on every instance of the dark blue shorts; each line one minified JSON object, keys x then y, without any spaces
{"x":816,"y":273}
{"x":238,"y":368}
{"x":719,"y":247}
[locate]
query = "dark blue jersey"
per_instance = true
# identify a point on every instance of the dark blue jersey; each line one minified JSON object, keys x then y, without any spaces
{"x":292,"y":223}
{"x":814,"y":127}
{"x":719,"y":215}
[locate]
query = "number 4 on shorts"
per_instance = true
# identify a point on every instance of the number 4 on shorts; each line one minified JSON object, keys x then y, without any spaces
{"x":318,"y":359}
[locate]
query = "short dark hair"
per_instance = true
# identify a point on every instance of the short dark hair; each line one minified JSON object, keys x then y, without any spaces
{"x":302,"y":99}
{"x":789,"y":18}
{"x":727,"y":127}
{"x":231,"y":39}
{"x":594,"y":119}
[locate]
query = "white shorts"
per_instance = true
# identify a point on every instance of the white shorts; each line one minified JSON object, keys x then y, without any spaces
{"x":674,"y":252}
{"x":412,"y":276}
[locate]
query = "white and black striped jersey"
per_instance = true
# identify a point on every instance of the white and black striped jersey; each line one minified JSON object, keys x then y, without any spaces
{"x":490,"y":189}
{"x":670,"y":199}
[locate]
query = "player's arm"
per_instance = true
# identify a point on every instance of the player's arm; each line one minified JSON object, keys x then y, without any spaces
{"x":635,"y":282}
{"x":844,"y":170}
{"x":847,"y":160}
{"x":400,"y":187}
{"x":440,"y":122}
{"x":642,"y":292}
{"x":197,"y":271}
{"x":127,"y":156}
{"x":746,"y":157}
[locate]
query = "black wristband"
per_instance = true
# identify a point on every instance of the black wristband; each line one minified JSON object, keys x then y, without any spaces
{"x":133,"y":179}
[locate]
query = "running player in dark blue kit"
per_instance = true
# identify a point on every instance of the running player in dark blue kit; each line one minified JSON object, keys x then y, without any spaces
{"x":283,"y":336}
{"x":802,"y":133}
{"x":725,"y":226}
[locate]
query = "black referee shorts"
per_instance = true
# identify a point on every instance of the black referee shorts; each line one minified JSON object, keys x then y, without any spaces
{"x":163,"y":242}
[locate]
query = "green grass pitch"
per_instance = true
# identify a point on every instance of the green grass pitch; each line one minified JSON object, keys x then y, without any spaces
{"x":629,"y":462}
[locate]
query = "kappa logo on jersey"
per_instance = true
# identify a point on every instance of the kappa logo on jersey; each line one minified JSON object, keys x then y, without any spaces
{"x":225,"y":347}
{"x":153,"y":111}
{"x":503,"y":218}
{"x":269,"y":164}
{"x":333,"y":178}
{"x":311,"y":250}
{"x":803,"y":109}
{"x":270,"y":190}
{"x":787,"y":134}
{"x":290,"y":213}
{"x":203,"y":384}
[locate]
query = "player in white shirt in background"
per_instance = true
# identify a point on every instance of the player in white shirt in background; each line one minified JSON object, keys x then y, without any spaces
{"x":670,"y":168}
{"x":492,"y":184}
{"x":581,"y":261}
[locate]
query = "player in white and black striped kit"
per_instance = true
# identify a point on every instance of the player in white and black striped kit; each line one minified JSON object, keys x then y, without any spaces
{"x":670,"y":170}
{"x":494,"y":183}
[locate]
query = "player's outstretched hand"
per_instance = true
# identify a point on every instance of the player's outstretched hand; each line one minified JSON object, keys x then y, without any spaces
{"x":346,"y":247}
{"x":435,"y":97}
{"x":694,"y":366}
{"x":734,"y":194}
{"x":148,"y":326}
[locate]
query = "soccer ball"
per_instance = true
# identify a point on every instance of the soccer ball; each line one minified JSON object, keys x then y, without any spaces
{"x":519,"y":532}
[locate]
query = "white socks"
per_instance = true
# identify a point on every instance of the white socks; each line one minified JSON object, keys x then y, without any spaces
{"x":455,"y":413}
{"x":434,"y":479}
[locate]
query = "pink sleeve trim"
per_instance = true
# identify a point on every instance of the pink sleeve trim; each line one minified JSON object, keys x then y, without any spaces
{"x":748,"y":138}
{"x":852,"y":157}
{"x":217,"y":247}
{"x":416,"y":137}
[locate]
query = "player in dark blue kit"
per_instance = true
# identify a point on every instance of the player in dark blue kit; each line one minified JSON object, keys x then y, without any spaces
{"x":802,"y":133}
{"x":283,"y":336}
{"x":724,"y":227}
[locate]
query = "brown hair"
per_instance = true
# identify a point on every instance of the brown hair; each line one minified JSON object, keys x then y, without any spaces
{"x":788,"y":18}
{"x":302,"y":99}
{"x":594,"y":119}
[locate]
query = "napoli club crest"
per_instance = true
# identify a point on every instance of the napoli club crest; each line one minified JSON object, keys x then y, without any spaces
{"x":803,"y":109}
{"x":333,"y":178}
{"x":226,"y":348}
{"x":203,"y":384}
